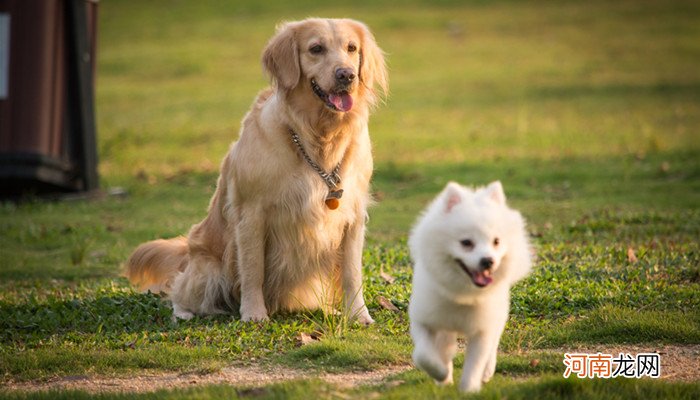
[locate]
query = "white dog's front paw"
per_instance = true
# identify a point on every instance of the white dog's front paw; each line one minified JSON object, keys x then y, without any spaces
{"x":432,"y":365}
{"x":488,"y":374}
{"x":490,"y":369}
{"x":469,"y":385}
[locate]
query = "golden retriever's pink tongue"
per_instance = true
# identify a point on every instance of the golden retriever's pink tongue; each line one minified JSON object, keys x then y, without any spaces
{"x":342,"y":102}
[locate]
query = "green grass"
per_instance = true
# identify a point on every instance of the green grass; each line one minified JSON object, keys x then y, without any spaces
{"x":589,"y":113}
{"x":412,"y":385}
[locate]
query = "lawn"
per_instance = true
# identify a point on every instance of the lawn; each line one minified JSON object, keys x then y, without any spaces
{"x":588,"y":112}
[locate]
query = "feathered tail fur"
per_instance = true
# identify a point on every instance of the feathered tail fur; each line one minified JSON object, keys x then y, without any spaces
{"x":154,"y":265}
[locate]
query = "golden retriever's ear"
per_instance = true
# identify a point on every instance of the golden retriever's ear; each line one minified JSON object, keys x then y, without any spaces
{"x":373,"y":71}
{"x":281,"y":58}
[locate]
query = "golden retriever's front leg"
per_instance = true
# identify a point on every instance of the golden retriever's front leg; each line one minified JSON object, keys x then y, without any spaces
{"x":250,"y":241}
{"x":351,"y":269}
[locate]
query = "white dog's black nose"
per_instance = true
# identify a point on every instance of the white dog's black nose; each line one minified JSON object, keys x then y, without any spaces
{"x":486,"y":263}
{"x":344,"y":76}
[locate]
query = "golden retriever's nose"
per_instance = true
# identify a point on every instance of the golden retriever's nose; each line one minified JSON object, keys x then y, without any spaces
{"x":344,"y":76}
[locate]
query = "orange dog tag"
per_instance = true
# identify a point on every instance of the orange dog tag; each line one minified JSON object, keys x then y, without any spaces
{"x":333,"y":199}
{"x":332,"y":203}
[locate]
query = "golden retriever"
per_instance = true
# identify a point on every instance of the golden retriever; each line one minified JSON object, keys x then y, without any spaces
{"x":285,"y":227}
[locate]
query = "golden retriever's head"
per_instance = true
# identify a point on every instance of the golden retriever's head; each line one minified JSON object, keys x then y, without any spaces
{"x":336,"y":62}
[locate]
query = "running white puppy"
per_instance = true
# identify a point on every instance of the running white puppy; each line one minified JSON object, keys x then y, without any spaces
{"x":469,"y":248}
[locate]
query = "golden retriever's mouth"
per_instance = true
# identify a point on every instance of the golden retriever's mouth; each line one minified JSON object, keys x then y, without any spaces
{"x":338,"y":101}
{"x":481,"y":278}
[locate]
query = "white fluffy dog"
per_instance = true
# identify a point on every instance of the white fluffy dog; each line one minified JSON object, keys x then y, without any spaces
{"x":469,"y":248}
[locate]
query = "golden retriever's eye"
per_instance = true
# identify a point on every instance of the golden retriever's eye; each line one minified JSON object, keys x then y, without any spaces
{"x":467,"y":244}
{"x":496,"y":242}
{"x":316,"y":49}
{"x":352,"y":48}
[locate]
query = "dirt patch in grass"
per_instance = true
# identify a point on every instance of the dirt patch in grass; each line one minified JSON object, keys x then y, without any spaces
{"x":678,"y":363}
{"x":244,"y":376}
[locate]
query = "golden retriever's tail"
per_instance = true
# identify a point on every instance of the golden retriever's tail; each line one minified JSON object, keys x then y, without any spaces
{"x":154,"y":265}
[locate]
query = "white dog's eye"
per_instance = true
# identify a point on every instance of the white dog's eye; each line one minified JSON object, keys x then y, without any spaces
{"x":467,"y":243}
{"x":496,"y":242}
{"x":352,"y":48}
{"x":316,"y":49}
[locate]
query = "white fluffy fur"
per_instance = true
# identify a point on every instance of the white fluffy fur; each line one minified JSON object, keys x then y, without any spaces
{"x":268,"y":241}
{"x":445,"y":301}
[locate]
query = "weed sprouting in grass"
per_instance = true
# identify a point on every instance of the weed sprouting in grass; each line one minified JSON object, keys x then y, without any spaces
{"x":79,"y":251}
{"x":329,"y":322}
{"x":329,"y":325}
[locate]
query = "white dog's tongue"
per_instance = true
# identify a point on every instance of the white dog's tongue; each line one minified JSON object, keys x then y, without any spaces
{"x":342,"y":102}
{"x":481,"y":278}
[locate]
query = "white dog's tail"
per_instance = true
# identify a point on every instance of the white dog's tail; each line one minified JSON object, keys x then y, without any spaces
{"x":154,"y":265}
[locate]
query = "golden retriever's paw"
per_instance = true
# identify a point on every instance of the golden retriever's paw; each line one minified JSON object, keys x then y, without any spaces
{"x":253,"y":308}
{"x":181,"y":313}
{"x":256,"y":314}
{"x":255,"y":318}
{"x":364,"y":318}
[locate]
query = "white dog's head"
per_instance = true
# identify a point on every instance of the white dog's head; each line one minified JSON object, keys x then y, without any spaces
{"x":473,"y":235}
{"x":478,"y":244}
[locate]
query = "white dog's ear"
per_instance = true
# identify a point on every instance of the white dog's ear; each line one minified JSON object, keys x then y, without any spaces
{"x":452,"y":196}
{"x":281,"y":57}
{"x":495,"y":192}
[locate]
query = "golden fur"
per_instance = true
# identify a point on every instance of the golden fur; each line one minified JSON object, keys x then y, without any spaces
{"x":269,"y":242}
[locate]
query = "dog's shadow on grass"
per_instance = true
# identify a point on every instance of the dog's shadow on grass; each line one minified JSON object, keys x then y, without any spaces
{"x":111,"y":314}
{"x":121,"y":318}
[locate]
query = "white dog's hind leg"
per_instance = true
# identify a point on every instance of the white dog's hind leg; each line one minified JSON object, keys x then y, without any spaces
{"x":426,"y":355}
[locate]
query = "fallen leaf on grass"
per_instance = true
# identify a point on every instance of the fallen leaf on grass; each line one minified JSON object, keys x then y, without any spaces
{"x":386,"y":304}
{"x":631,"y":257}
{"x":305,"y":338}
{"x":387,"y":278}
